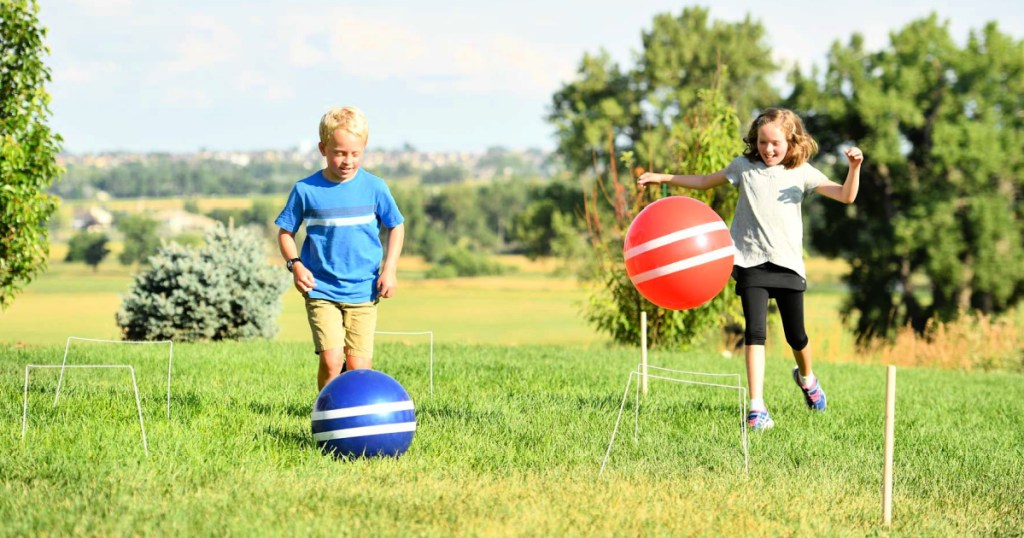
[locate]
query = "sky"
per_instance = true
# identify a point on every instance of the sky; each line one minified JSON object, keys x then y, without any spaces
{"x":445,"y":75}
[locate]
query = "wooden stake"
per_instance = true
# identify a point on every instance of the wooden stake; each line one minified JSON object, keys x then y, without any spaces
{"x":890,"y":420}
{"x":643,"y":351}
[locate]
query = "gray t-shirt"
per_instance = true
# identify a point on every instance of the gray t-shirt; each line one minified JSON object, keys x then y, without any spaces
{"x":768,"y":225}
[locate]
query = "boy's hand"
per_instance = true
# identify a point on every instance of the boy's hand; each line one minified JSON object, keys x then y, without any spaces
{"x":303,"y":277}
{"x":387,"y":284}
{"x":855,"y":156}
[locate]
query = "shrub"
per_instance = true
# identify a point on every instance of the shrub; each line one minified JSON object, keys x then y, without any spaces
{"x":89,"y":248}
{"x":460,"y":261}
{"x":224,"y":290}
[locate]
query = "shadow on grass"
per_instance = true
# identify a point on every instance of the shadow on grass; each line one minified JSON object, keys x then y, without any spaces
{"x":290,"y":436}
{"x":292,"y":409}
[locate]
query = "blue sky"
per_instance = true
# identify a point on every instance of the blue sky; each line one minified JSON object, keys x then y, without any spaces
{"x":150,"y":75}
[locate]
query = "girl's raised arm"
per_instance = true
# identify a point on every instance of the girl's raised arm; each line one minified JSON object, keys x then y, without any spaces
{"x":847,"y":192}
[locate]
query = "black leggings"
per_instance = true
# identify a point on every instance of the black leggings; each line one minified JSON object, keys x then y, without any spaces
{"x":755,"y":312}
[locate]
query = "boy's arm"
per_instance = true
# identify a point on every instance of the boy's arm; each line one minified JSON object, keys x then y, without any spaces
{"x":388,"y":281}
{"x":689,"y":181}
{"x":301,"y":276}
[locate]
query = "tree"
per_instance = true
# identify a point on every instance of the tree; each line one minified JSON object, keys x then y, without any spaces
{"x":28,"y":148}
{"x":88,"y":247}
{"x":642,"y":106}
{"x":708,"y":143}
{"x":938,"y":225}
{"x":140,"y":238}
{"x":445,"y":173}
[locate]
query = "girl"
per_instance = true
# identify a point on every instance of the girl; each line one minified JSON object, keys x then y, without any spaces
{"x":773,"y":177}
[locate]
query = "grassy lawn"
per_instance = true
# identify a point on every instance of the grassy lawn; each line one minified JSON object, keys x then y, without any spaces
{"x":510,"y":445}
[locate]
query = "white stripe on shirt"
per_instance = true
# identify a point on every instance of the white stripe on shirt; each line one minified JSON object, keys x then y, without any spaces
{"x":342,"y":221}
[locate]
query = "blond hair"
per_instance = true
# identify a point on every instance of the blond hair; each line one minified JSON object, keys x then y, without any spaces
{"x":801,"y":145}
{"x":349,"y":118}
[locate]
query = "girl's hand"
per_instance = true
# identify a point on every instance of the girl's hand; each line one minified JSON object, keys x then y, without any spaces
{"x":651,"y":177}
{"x":855,"y":156}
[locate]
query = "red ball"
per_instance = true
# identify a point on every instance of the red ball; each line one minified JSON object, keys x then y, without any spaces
{"x":678,"y":253}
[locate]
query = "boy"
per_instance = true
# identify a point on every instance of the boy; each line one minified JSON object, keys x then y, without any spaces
{"x":339,"y":272}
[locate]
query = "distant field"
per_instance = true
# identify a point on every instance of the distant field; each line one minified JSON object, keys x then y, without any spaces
{"x":530,"y":306}
{"x":70,"y":299}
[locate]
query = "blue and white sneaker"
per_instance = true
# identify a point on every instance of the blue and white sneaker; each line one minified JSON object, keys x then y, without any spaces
{"x":759,"y":420}
{"x":814,"y":396}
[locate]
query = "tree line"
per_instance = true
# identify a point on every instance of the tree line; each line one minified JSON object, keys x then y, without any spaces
{"x":938,"y":228}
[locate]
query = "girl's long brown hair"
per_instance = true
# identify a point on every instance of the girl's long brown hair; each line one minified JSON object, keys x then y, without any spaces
{"x":801,"y":145}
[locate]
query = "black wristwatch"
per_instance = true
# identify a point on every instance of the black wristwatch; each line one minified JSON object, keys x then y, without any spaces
{"x":291,"y":262}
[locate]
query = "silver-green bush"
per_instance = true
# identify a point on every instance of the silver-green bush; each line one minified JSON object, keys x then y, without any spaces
{"x":223,"y":290}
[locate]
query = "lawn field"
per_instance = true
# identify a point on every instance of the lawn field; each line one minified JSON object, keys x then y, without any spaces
{"x":510,"y":444}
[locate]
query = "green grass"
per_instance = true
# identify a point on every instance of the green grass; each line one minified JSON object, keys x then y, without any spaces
{"x":510,"y":445}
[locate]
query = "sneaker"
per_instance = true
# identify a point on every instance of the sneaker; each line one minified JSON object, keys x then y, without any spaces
{"x":814,"y":396}
{"x":759,"y":420}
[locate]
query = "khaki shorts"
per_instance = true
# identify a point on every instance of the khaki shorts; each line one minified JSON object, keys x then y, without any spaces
{"x":336,"y":325}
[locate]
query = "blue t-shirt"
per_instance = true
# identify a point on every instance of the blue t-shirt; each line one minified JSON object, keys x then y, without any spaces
{"x":343,"y":221}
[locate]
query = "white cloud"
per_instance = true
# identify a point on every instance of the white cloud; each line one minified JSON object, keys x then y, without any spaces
{"x":300,"y":33}
{"x":106,"y":8}
{"x":85,"y":72}
{"x":425,"y":57}
{"x":188,"y":97}
{"x":271,"y":89}
{"x":207,"y":42}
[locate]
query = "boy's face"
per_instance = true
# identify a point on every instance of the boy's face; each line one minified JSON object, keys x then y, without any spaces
{"x":771,"y":144}
{"x":342,"y":152}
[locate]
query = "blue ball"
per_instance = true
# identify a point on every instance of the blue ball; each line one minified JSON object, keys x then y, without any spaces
{"x":363,"y":413}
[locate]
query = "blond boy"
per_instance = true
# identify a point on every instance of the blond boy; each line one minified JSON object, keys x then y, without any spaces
{"x":339,"y":271}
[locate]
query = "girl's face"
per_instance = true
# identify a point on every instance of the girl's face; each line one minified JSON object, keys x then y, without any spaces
{"x":771,"y":144}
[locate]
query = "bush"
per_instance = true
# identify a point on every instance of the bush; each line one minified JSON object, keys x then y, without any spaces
{"x":89,"y":248}
{"x":224,"y":290}
{"x":460,"y":261}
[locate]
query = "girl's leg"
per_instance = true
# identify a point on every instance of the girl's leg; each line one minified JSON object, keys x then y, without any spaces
{"x":755,"y":371}
{"x":791,"y":309}
{"x":755,"y":316}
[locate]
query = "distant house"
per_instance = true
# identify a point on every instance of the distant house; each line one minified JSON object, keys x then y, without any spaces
{"x":93,"y":219}
{"x":177,"y":221}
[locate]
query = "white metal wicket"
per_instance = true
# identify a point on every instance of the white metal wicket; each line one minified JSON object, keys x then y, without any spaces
{"x":636,"y":428}
{"x":170,"y":362}
{"x":135,"y":385}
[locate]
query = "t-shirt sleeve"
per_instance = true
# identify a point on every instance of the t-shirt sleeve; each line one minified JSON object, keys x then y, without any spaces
{"x":290,"y":218}
{"x":734,"y":171}
{"x":813,"y":178}
{"x":387,"y":208}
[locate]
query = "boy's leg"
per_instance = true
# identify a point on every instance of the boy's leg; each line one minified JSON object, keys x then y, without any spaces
{"x":325,"y":323}
{"x":331,"y":363}
{"x":360,"y":323}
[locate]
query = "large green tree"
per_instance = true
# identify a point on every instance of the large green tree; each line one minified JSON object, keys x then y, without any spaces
{"x":938,"y":225}
{"x":610,"y":108}
{"x":28,"y":148}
